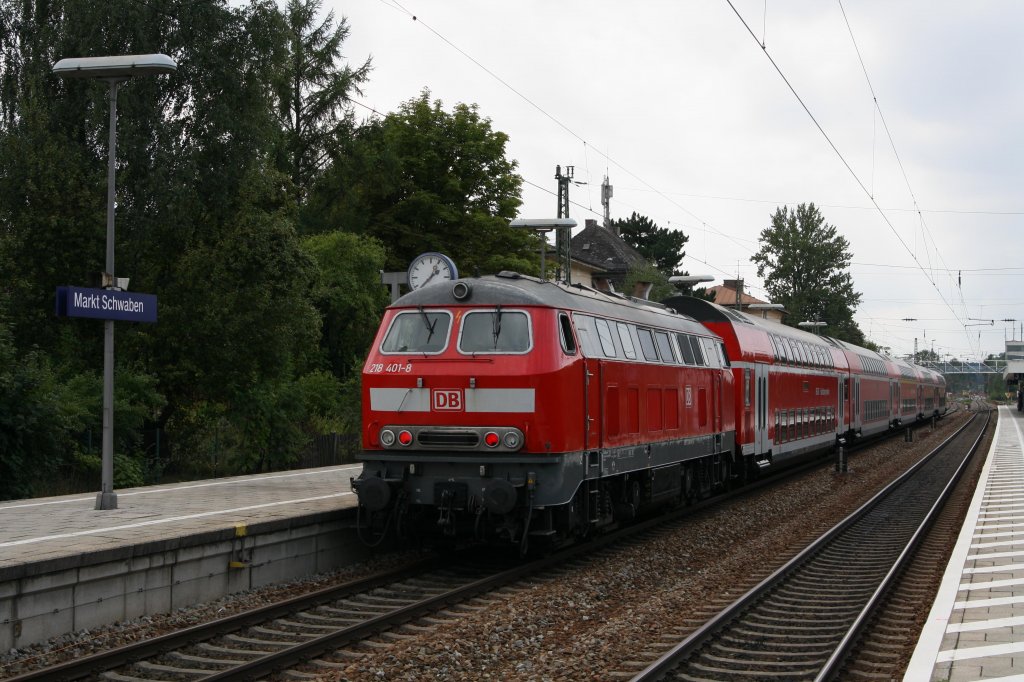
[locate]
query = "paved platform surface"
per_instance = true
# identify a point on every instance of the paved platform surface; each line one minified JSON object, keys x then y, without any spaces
{"x":975,"y":630}
{"x":56,"y":527}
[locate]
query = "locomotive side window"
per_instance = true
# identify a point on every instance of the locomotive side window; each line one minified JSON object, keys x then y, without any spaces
{"x":647,"y":344}
{"x":495,"y":331}
{"x":568,"y":341}
{"x":684,"y":348}
{"x":698,"y":354}
{"x":627,"y":340}
{"x":665,"y":347}
{"x":604,"y":333}
{"x":722,"y":355}
{"x":587,"y":335}
{"x":419,"y":331}
{"x":710,"y":356}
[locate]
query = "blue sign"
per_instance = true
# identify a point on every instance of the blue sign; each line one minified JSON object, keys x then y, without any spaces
{"x":106,"y":304}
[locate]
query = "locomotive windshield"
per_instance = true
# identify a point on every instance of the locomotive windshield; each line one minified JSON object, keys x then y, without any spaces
{"x":495,"y":331}
{"x":419,"y":331}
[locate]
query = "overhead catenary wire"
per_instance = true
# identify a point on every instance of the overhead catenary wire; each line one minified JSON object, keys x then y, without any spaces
{"x":845,"y":163}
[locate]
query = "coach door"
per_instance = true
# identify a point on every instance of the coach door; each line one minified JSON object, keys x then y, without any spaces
{"x":592,"y":409}
{"x":761,"y":443}
{"x":843,"y":399}
{"x":856,"y":403}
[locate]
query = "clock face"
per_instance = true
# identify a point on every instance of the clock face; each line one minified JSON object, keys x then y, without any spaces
{"x":431,"y":268}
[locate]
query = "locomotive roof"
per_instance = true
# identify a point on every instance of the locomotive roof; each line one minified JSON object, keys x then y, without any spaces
{"x":514,"y":289}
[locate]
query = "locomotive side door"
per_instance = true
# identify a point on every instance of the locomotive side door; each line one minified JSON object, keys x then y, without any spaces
{"x":761,"y":444}
{"x":592,"y":409}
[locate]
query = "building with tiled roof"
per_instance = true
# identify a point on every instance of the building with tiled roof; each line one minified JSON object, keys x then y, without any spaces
{"x":725,"y":295}
{"x":600,"y":257}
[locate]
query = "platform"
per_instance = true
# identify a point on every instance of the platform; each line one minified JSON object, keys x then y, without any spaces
{"x":55,"y":527}
{"x":65,"y":566}
{"x":975,"y":630}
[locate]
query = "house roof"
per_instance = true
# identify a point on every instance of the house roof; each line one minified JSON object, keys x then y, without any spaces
{"x":602,"y":248}
{"x":726,"y":295}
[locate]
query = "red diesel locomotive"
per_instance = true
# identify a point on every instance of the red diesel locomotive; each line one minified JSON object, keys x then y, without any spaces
{"x":509,"y":407}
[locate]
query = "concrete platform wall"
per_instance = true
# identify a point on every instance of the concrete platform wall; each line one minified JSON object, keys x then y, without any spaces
{"x":50,"y":598}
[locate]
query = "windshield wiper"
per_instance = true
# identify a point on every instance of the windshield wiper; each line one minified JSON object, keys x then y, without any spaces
{"x":426,"y":321}
{"x":496,"y":329}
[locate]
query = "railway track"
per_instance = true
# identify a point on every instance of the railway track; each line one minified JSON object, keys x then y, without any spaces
{"x":800,"y":622}
{"x":305,"y":632}
{"x":296,"y":633}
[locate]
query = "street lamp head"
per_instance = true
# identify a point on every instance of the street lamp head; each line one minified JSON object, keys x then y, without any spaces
{"x":542,"y":224}
{"x":121,"y":66}
{"x":690,"y":279}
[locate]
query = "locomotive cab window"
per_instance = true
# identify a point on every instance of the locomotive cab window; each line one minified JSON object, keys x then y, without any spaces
{"x":418,"y":331}
{"x":565,"y":329}
{"x":495,"y":331}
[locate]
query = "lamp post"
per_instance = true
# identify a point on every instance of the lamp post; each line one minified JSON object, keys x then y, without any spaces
{"x":115,"y":71}
{"x":543,"y":226}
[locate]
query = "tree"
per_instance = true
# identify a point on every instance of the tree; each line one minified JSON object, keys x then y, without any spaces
{"x":803,"y":262}
{"x":422,"y":179}
{"x":348,"y":295}
{"x":659,"y":245}
{"x":312,"y":90}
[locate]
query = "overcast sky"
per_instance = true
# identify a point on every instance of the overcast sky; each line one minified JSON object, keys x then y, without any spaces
{"x":678,"y":104}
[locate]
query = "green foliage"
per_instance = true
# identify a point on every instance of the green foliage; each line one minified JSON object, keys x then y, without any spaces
{"x":348,"y":295}
{"x":261,"y":332}
{"x":660,"y":245}
{"x":312,"y":89}
{"x":803,"y":262}
{"x":423,"y":179}
{"x":644,"y":272}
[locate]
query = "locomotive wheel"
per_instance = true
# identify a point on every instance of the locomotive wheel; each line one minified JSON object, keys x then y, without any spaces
{"x":689,"y":484}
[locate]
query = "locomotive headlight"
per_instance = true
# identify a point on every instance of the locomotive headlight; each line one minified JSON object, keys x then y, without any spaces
{"x":491,"y":439}
{"x":404,"y":438}
{"x":511,"y":440}
{"x":387,"y":437}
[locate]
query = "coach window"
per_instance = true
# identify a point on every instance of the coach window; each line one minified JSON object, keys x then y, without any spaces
{"x":698,"y":354}
{"x":788,"y":351}
{"x":665,"y":347}
{"x":684,"y":348}
{"x":565,"y":327}
{"x":495,"y":331}
{"x":627,"y":341}
{"x":420,"y":331}
{"x":746,"y":387}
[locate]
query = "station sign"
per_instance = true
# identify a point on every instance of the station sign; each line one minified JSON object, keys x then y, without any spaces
{"x":106,"y":304}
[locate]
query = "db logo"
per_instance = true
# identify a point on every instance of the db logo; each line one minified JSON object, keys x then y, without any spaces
{"x":446,"y":400}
